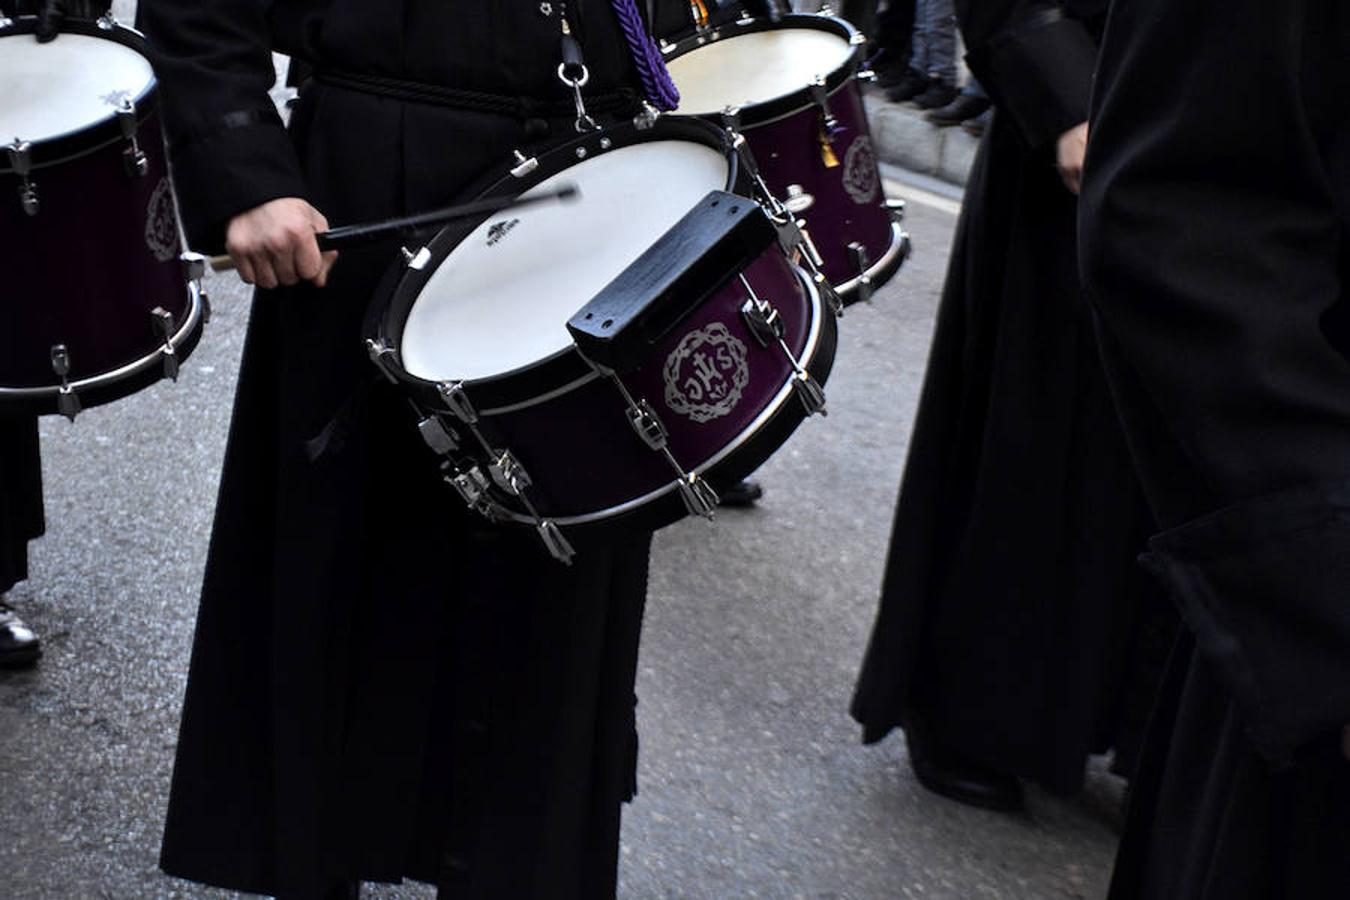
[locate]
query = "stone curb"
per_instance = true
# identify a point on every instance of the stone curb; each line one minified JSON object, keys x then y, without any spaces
{"x":904,"y":138}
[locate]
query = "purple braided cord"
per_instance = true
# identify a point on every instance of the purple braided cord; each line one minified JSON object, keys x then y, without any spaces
{"x":651,"y":67}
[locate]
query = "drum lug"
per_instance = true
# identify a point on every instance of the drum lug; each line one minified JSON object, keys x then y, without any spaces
{"x":809,"y":244}
{"x":895,"y":209}
{"x":438,"y":436}
{"x":829,"y":125}
{"x":648,"y":425}
{"x":763,"y":321}
{"x":524,"y":165}
{"x":862,"y":261}
{"x":556,"y":542}
{"x":381,"y":355}
{"x":731,"y":121}
{"x":415,"y":260}
{"x":457,"y":401}
{"x":646,"y":119}
{"x":163,"y":323}
{"x":767,"y":327}
{"x":194,"y":272}
{"x":21,"y":160}
{"x":133,"y":157}
{"x":867,"y":75}
{"x":832,"y":298}
{"x":509,"y":474}
{"x":698,"y":496}
{"x":809,"y":392}
{"x":106,"y":22}
{"x":798,"y":200}
{"x":67,"y":401}
{"x":472,"y":486}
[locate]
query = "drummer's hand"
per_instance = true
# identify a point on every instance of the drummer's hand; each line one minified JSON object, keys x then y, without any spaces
{"x":274,"y":244}
{"x":1069,"y":154}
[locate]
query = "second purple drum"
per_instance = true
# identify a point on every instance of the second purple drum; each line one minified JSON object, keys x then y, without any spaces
{"x":791,"y":88}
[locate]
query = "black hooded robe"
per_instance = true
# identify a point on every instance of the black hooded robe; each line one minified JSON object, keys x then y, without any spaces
{"x":381,"y":685}
{"x":1215,"y":219}
{"x":21,"y":517}
{"x":1014,"y":622}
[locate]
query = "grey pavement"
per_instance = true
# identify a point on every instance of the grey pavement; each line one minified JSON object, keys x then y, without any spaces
{"x":753,"y":782}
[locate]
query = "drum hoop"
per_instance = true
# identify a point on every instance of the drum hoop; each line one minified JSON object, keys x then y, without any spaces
{"x":787,"y":105}
{"x":192,"y":326}
{"x":81,"y":142}
{"x":786,"y":397}
{"x":548,"y":376}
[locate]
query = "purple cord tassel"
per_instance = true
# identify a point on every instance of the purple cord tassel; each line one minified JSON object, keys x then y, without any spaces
{"x":651,"y":67}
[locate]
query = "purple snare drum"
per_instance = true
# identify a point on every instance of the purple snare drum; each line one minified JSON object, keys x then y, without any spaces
{"x":694,"y":346}
{"x":97,"y":299}
{"x":791,"y":89}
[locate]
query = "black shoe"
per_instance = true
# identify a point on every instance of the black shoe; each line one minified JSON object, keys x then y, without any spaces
{"x":910,"y":85}
{"x":938,"y":94}
{"x":742,"y":494}
{"x":890,"y":67}
{"x":19,"y":646}
{"x":944,"y":771}
{"x":975,"y":127}
{"x":965,"y":106}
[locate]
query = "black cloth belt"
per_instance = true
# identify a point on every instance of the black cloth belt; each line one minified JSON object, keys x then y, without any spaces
{"x":622,"y":101}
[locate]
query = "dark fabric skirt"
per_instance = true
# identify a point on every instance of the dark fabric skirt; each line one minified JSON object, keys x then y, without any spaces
{"x":382,"y":686}
{"x":21,"y":518}
{"x":1014,"y":619}
{"x":1211,"y":820}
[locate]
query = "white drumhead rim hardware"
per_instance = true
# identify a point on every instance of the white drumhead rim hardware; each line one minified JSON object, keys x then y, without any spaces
{"x":61,"y":88}
{"x":500,"y":301}
{"x":747,"y":70}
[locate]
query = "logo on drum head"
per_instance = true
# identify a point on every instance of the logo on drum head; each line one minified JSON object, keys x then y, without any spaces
{"x":161,"y":223}
{"x":499,"y":230}
{"x":706,"y":374}
{"x":861,"y":178}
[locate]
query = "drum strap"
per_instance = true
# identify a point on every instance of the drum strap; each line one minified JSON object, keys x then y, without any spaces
{"x":623,"y":101}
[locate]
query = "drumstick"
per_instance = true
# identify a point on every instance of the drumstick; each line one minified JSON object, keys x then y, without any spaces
{"x":371,"y":232}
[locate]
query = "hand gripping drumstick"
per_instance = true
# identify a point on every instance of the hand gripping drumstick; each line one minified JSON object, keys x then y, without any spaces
{"x":372,"y":232}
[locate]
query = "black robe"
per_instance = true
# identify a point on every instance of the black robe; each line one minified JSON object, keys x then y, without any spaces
{"x":1014,"y":622}
{"x":1215,"y":219}
{"x":381,"y":685}
{"x":21,"y":518}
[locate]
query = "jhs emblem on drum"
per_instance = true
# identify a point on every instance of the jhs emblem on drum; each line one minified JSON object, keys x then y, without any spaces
{"x":860,"y":172}
{"x":161,"y":223}
{"x":706,"y":374}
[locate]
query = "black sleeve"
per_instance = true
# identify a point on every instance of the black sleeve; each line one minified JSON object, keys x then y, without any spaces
{"x":229,"y":149}
{"x":1213,"y":223}
{"x":1035,"y":62}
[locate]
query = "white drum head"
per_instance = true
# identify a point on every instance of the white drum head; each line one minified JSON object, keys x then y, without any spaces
{"x":749,"y":69}
{"x":65,"y":86}
{"x":501,"y":300}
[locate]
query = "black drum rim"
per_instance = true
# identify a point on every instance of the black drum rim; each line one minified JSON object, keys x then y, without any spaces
{"x":94,"y":137}
{"x":789,"y":104}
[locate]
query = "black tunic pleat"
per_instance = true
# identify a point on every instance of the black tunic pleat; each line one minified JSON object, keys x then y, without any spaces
{"x":1014,"y":620}
{"x":382,"y":685}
